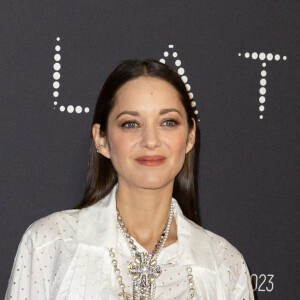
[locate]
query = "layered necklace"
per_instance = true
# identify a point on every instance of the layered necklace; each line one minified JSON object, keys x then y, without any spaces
{"x":144,"y":268}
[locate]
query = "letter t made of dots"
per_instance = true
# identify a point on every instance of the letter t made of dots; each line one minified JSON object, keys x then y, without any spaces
{"x":263,"y":81}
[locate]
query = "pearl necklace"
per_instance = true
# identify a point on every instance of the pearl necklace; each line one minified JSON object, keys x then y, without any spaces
{"x":144,"y":268}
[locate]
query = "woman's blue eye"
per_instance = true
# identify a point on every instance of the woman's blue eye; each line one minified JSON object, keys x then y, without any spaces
{"x":129,"y":124}
{"x":170,"y":123}
{"x":133,"y":125}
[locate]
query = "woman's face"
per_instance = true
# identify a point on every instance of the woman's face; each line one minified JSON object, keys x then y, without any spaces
{"x":147,"y":133}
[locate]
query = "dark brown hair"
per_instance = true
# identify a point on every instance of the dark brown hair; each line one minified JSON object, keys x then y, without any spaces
{"x":101,"y":175}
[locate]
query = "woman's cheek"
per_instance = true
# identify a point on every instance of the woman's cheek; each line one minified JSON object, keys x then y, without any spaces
{"x":178,"y":143}
{"x":121,"y":146}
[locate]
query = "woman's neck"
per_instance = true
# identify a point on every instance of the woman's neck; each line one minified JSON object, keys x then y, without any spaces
{"x":145,"y":213}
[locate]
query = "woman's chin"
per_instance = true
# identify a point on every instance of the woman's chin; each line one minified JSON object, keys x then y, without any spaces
{"x":152,"y":184}
{"x":147,"y":181}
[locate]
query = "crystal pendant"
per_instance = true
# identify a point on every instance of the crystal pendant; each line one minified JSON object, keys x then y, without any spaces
{"x":144,"y":270}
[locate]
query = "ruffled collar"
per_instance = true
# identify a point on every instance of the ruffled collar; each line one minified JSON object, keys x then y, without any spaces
{"x":98,"y":227}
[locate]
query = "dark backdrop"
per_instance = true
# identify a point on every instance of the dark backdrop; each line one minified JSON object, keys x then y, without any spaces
{"x":246,"y":97}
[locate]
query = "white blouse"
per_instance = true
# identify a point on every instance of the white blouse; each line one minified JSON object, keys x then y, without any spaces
{"x":64,"y":256}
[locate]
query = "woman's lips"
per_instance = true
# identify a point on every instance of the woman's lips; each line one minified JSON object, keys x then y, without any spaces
{"x":154,"y":160}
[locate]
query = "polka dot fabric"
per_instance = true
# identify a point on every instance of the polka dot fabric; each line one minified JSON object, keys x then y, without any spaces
{"x":44,"y":252}
{"x":65,"y":256}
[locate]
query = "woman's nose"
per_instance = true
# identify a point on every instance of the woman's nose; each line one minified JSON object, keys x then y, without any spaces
{"x":150,"y":137}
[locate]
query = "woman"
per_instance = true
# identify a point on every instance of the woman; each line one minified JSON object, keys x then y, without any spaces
{"x":129,"y":238}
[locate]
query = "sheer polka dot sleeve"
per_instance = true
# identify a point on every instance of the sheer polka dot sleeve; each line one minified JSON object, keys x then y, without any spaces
{"x":27,"y":280}
{"x":232,"y":269}
{"x":243,"y":287}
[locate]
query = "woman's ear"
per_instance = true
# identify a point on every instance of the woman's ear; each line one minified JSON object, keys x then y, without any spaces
{"x":191,"y":137}
{"x":100,"y":141}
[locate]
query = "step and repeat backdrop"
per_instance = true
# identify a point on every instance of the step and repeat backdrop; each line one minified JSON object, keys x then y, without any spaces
{"x":240,"y":62}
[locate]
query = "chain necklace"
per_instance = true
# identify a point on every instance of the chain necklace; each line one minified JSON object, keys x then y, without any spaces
{"x":144,"y":268}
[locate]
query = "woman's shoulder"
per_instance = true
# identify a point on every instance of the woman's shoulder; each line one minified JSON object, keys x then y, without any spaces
{"x":228,"y":258}
{"x":225,"y":254}
{"x":60,"y":225}
{"x":231,"y":267}
{"x":221,"y":245}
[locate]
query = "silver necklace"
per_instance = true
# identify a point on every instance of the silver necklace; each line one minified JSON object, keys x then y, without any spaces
{"x":144,"y":268}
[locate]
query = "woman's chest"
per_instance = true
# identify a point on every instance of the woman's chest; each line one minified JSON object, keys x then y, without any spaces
{"x":90,"y":275}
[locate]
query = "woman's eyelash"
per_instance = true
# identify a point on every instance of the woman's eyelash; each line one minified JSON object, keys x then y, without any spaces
{"x":134,"y":124}
{"x":126,"y":123}
{"x":171,"y":122}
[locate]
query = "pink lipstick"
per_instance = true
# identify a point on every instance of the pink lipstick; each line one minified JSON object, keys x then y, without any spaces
{"x":151,"y":160}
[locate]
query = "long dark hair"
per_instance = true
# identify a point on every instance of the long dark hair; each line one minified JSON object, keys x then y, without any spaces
{"x":101,"y":175}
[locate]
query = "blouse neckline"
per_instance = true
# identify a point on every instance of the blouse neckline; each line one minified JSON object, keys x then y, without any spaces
{"x":98,"y":227}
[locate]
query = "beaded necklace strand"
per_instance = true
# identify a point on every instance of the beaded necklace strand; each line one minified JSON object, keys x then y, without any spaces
{"x":144,"y":268}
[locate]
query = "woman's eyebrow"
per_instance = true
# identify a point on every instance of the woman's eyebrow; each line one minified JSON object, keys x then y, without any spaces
{"x":167,"y":110}
{"x":135,"y":113}
{"x":128,"y":112}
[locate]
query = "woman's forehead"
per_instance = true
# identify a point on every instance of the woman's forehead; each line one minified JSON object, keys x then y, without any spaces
{"x":147,"y":92}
